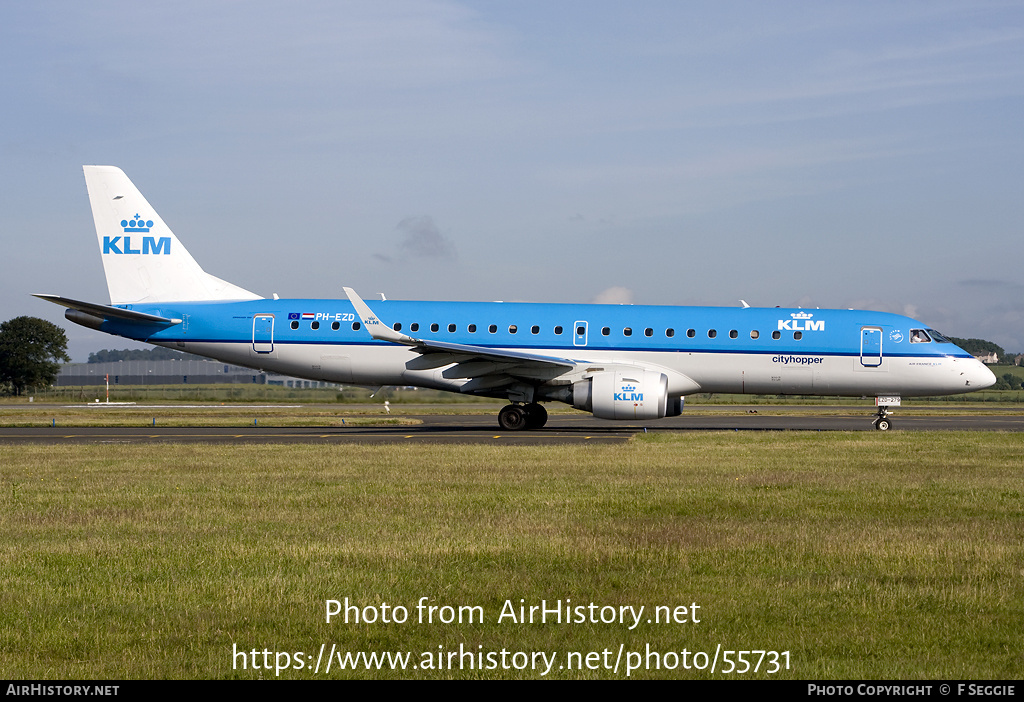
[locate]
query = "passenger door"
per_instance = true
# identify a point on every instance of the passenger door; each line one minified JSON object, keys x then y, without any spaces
{"x":263,"y":333}
{"x":871,"y":347}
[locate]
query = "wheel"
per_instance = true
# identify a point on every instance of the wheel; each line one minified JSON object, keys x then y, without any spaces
{"x":883,"y":424}
{"x":512,"y":418}
{"x":536,"y":416}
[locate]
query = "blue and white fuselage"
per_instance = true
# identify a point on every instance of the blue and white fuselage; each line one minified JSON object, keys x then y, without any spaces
{"x":741,"y":350}
{"x":617,"y":361}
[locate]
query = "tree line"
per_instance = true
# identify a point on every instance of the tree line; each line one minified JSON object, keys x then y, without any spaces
{"x":31,"y":353}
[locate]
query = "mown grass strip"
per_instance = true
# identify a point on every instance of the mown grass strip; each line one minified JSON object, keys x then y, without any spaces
{"x":864,"y":555}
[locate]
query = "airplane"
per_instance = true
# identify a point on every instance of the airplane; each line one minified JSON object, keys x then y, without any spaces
{"x":618,"y":362}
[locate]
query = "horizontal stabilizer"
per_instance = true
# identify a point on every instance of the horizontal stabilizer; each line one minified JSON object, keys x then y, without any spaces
{"x":106,"y":312}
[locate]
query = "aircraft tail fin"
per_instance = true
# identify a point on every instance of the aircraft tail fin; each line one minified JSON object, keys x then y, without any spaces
{"x":142,"y":259}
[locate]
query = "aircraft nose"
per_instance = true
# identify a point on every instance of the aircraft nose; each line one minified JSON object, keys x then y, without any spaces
{"x":978,"y":376}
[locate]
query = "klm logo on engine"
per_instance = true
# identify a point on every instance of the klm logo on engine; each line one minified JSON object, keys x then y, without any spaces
{"x":802,"y":321}
{"x":628,"y":394}
{"x":123,"y":244}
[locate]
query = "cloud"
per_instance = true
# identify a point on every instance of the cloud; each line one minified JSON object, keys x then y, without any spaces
{"x":984,"y":284}
{"x":614,"y":296}
{"x":424,"y":240}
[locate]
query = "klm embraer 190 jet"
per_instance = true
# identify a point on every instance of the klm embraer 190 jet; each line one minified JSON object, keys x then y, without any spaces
{"x":632,"y":362}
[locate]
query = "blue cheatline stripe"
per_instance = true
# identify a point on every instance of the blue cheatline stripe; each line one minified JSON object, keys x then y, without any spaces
{"x":540,"y":349}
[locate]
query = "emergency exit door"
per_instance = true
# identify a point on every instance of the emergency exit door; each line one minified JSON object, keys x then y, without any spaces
{"x":580,"y":336}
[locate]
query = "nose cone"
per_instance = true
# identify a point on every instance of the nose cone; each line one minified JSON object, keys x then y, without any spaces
{"x":977,"y":376}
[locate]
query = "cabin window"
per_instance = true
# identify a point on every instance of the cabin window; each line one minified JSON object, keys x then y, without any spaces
{"x":733,"y":334}
{"x":295,"y":325}
{"x":336,"y":326}
{"x":471,"y":329}
{"x":776,"y":334}
{"x":691,"y":333}
{"x":512,"y":329}
{"x":397,"y":326}
{"x":670,"y":332}
{"x":535,"y":329}
{"x":628,"y":331}
{"x":798,"y":335}
{"x":919,"y":336}
{"x":648,"y":332}
{"x":434,"y":327}
{"x":605,"y":331}
{"x":712,"y":333}
{"x":355,"y":326}
{"x":558,"y":330}
{"x":493,"y":328}
{"x":314,"y":326}
{"x":754,"y":333}
{"x":415,"y":326}
{"x":451,"y":328}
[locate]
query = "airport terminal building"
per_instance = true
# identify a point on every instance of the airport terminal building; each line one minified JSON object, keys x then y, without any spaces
{"x":174,"y":372}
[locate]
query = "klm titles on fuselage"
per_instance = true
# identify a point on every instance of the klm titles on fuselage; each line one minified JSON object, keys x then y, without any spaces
{"x":801,"y":321}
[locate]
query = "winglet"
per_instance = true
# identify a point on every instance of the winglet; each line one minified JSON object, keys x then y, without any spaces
{"x":378,"y":330}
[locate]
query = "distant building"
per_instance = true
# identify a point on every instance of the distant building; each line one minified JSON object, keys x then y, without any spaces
{"x":992,"y":357}
{"x":176,"y":372}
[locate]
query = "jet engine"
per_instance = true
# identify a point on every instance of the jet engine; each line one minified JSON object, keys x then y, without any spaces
{"x":626,"y":394}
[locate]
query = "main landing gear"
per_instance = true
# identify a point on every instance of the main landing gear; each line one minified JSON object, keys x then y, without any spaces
{"x":516,"y":417}
{"x":882,"y":421}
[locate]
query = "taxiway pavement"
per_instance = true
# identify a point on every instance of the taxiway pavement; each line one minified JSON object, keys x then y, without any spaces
{"x":484,"y":429}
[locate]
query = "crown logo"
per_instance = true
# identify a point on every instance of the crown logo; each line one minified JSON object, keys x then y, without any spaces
{"x":801,"y":315}
{"x":628,"y":388}
{"x":136,"y":224}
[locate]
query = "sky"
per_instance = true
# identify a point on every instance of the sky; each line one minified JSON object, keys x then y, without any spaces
{"x":814,"y":154}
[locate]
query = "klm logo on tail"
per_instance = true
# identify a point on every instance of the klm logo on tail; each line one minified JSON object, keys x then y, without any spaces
{"x":136,"y":224}
{"x":150,"y":244}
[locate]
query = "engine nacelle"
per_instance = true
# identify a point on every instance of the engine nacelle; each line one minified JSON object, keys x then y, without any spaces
{"x":626,"y":394}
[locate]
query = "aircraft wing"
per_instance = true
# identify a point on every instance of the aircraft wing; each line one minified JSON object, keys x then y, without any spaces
{"x":487,"y":367}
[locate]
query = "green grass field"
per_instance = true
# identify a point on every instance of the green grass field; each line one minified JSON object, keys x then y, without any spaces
{"x":862,"y":555}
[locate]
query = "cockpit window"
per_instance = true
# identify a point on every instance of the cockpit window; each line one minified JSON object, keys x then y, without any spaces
{"x":919,"y":336}
{"x":938,"y":338}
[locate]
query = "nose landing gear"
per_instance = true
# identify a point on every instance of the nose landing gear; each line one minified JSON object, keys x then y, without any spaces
{"x":882,"y":421}
{"x":884,"y":402}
